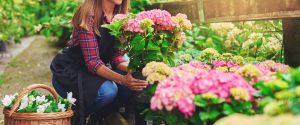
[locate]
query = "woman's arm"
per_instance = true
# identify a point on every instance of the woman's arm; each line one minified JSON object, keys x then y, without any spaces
{"x":123,"y":66}
{"x":126,"y":80}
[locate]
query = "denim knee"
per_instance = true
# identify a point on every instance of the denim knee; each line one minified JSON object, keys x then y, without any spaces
{"x":106,"y":93}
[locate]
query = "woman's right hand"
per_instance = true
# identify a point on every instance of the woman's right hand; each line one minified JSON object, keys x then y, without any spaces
{"x":134,"y":84}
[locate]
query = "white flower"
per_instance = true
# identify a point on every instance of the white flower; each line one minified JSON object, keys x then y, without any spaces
{"x":38,"y":27}
{"x":222,"y":28}
{"x":61,"y":107}
{"x":70,"y":98}
{"x":42,"y":108}
{"x":24,"y":103}
{"x":7,"y":100}
{"x":41,"y":99}
{"x":31,"y":98}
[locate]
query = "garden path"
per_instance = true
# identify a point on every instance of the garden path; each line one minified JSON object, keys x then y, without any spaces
{"x":29,"y":67}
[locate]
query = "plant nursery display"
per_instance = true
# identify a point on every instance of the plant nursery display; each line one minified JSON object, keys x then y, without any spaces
{"x":152,"y":35}
{"x":260,"y":40}
{"x":199,"y":92}
{"x":279,"y":104}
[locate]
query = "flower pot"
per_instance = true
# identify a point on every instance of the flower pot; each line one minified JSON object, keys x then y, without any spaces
{"x":3,"y":46}
{"x":141,"y":96}
{"x":141,"y":102}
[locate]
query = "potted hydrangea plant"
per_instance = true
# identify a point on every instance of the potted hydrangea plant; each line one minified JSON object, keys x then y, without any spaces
{"x":148,"y":36}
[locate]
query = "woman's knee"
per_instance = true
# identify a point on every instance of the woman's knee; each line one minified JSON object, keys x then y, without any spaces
{"x":106,"y":93}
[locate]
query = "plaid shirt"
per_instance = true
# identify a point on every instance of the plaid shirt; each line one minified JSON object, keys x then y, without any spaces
{"x":90,"y":50}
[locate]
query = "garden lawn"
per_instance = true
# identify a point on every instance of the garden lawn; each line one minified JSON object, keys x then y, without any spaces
{"x":30,"y":67}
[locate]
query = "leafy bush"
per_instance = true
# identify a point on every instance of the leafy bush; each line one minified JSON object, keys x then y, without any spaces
{"x":138,"y":5}
{"x":261,"y":40}
{"x":17,"y":19}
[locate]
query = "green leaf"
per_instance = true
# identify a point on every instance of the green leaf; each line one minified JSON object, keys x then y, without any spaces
{"x":227,"y":109}
{"x":138,"y":43}
{"x":213,"y":114}
{"x":199,"y":101}
{"x":203,"y":116}
{"x":152,"y":46}
{"x":259,"y":42}
{"x":152,"y":88}
{"x":217,"y":100}
{"x":247,"y":105}
{"x":166,"y":44}
{"x":195,"y":120}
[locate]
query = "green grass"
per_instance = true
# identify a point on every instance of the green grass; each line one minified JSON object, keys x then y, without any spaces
{"x":2,"y":79}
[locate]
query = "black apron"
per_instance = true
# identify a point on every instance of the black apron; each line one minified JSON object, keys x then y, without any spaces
{"x":70,"y":71}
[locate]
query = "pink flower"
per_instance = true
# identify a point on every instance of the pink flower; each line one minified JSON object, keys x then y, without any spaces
{"x":160,"y":17}
{"x":186,"y":106}
{"x":179,"y":89}
{"x":118,"y":17}
{"x":219,"y":83}
{"x":218,"y":63}
{"x":231,"y":64}
{"x":133,"y":25}
{"x":200,"y":65}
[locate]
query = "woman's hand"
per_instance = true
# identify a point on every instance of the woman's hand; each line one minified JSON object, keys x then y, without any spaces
{"x":134,"y":84}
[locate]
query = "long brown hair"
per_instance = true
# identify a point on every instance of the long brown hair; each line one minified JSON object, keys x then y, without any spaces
{"x":89,"y":8}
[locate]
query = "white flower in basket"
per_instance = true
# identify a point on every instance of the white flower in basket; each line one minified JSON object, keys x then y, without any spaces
{"x":62,"y":107}
{"x":24,"y":104}
{"x":7,"y":100}
{"x":42,"y":108}
{"x":70,"y":98}
{"x":41,"y":99}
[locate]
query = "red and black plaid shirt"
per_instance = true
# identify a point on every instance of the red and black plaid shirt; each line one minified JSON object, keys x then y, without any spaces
{"x":90,"y":49}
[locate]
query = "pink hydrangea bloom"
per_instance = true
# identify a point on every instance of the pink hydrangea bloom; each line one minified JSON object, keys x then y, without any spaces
{"x":160,"y":17}
{"x":271,"y":66}
{"x":174,"y":92}
{"x":118,"y":17}
{"x":219,"y":83}
{"x":179,"y":89}
{"x":133,"y":25}
{"x":222,"y":63}
{"x":200,"y":65}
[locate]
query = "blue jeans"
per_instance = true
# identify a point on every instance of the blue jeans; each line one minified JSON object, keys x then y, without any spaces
{"x":108,"y":93}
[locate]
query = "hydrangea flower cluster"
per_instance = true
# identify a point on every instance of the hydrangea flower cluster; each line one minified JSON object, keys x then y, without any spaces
{"x":175,"y":92}
{"x":209,"y":54}
{"x":220,"y":84}
{"x":224,"y":66}
{"x":156,"y":71}
{"x":119,"y":17}
{"x":222,"y":28}
{"x":162,"y":18}
{"x":196,"y":78}
{"x":181,"y":21}
{"x":271,"y":66}
{"x":250,"y":71}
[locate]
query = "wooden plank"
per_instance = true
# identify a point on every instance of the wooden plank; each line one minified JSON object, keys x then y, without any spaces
{"x":239,"y":10}
{"x":188,"y":7}
{"x":232,"y":10}
{"x":291,"y":39}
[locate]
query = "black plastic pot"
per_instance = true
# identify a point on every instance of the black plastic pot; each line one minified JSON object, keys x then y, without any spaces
{"x":141,"y":101}
{"x":3,"y":46}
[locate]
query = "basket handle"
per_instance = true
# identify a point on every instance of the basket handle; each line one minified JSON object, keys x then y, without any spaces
{"x":28,"y":89}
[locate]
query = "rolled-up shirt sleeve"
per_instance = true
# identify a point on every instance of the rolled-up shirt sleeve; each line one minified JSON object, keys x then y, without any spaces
{"x":118,"y":57}
{"x":90,"y":50}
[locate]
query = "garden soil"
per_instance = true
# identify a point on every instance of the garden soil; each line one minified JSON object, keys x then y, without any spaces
{"x":29,"y":67}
